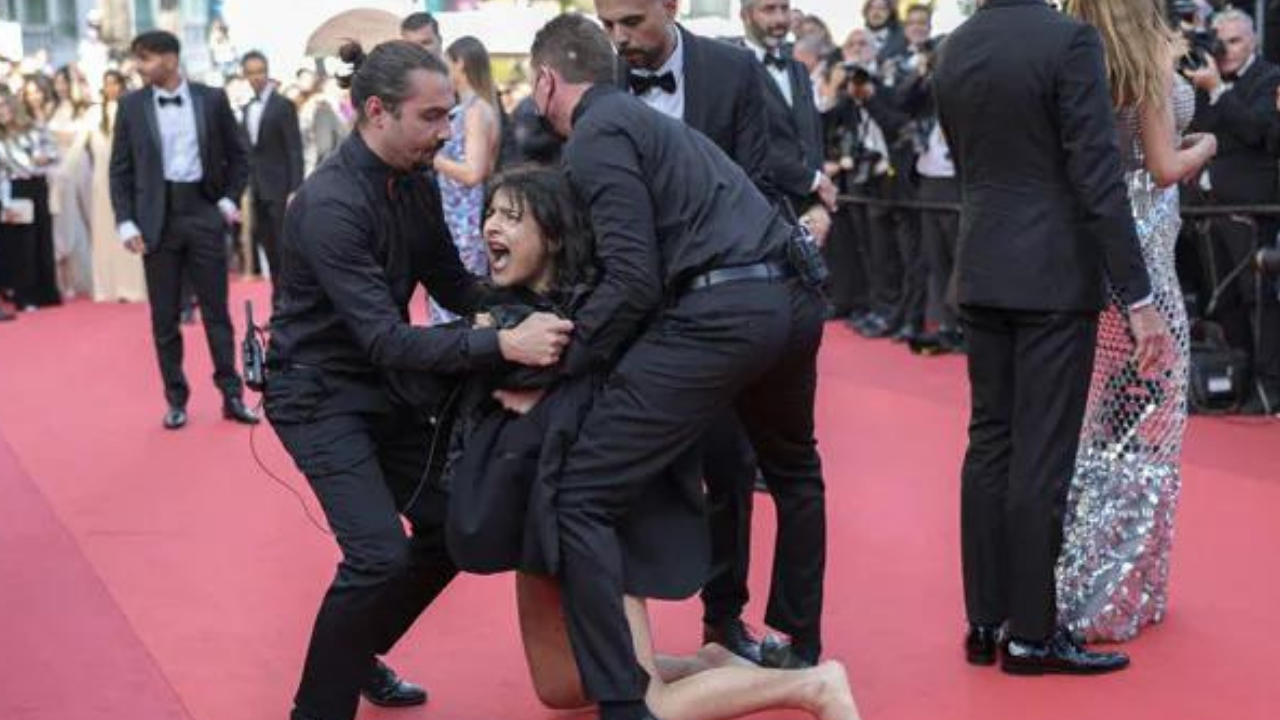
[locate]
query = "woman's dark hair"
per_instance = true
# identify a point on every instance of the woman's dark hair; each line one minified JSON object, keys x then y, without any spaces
{"x":106,"y":111}
{"x":384,"y":72}
{"x":475,"y":65}
{"x":80,"y":102}
{"x":546,"y":195}
{"x":45,"y":84}
{"x":156,"y":42}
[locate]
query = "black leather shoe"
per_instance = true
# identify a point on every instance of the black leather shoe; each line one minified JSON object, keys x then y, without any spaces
{"x":175,"y":418}
{"x":385,"y":689}
{"x":858,"y":321}
{"x":735,"y":636}
{"x":1061,"y":654}
{"x":236,"y":411}
{"x":783,"y":655}
{"x":907,"y":333}
{"x":980,"y":645}
{"x":872,"y":325}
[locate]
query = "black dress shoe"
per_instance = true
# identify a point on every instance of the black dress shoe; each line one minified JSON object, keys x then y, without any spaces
{"x":858,"y":321}
{"x":783,"y":655}
{"x":385,"y":689}
{"x":907,"y":333}
{"x":735,"y":636}
{"x":236,"y":411}
{"x":980,"y":645}
{"x":175,"y":418}
{"x":872,"y":325}
{"x":1061,"y":654}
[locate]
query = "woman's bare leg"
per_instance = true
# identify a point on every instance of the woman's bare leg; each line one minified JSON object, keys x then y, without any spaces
{"x":711,"y":685}
{"x":546,"y":643}
{"x":678,"y":667}
{"x":731,"y":690}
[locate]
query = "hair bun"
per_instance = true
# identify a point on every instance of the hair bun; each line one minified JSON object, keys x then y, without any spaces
{"x":351,"y":53}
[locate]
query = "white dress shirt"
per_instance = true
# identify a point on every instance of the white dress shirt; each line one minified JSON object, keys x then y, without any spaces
{"x":178,"y":137}
{"x":179,"y":146}
{"x":935,"y":161}
{"x":253,"y":114}
{"x":669,"y":104}
{"x":779,"y":75}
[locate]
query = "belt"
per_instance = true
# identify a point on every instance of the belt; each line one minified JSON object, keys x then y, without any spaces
{"x":759,"y":271}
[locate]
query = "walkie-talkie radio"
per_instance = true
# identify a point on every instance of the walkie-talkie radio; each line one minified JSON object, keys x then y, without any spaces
{"x":252,"y":352}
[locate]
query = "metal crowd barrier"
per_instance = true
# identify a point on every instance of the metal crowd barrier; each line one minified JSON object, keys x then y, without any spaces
{"x":1188,"y":211}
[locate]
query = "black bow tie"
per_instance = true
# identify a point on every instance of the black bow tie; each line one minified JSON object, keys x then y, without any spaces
{"x":776,"y":61}
{"x":175,"y":101}
{"x":1230,"y":77}
{"x":641,"y":84}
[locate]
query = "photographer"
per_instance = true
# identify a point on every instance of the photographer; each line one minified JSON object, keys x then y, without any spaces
{"x":859,"y":130}
{"x":935,"y":179}
{"x":1236,"y":102}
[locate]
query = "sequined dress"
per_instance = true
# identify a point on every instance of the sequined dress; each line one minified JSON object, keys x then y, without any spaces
{"x":463,"y":206}
{"x":1113,"y":573}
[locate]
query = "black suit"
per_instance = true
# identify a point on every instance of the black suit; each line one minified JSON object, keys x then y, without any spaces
{"x":723,"y":92}
{"x":275,"y":172}
{"x":668,"y":206}
{"x":1023,"y":97}
{"x":1244,"y":172}
{"x":181,"y":225}
{"x":795,"y":135}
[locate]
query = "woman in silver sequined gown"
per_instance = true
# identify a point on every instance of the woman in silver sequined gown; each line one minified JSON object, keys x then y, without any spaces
{"x":1113,"y":572}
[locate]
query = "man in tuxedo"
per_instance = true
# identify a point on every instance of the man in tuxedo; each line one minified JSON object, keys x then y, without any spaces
{"x":699,"y":310}
{"x":178,"y":165}
{"x":1236,"y":102}
{"x":795,"y":125}
{"x":717,"y":89}
{"x":275,"y":161}
{"x":1045,"y":223}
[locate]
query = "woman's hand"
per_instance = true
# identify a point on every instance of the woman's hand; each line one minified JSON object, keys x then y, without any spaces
{"x":519,"y":402}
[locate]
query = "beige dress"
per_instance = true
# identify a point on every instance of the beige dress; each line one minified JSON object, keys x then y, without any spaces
{"x":117,"y":273}
{"x":70,"y":191}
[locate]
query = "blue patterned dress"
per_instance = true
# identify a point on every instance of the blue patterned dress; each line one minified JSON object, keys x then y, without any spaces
{"x":463,"y":206}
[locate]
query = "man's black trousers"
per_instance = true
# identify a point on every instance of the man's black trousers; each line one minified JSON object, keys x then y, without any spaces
{"x":749,"y":346}
{"x":365,"y":465}
{"x":1029,"y":378}
{"x":192,"y":248}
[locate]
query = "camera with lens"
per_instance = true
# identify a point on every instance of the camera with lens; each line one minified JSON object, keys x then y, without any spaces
{"x":1201,"y":45}
{"x":856,"y":74}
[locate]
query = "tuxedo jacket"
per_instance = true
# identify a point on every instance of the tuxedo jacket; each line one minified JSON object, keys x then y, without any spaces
{"x":796,"y":142}
{"x":1024,"y":102}
{"x":137,"y":161}
{"x":723,"y":99}
{"x":1244,"y":170}
{"x":275,"y":161}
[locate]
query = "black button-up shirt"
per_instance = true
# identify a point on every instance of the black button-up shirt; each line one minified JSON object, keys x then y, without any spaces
{"x":358,"y":238}
{"x":666,"y":205}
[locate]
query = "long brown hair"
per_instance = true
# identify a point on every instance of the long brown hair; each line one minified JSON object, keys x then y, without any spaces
{"x":1139,"y":46}
{"x":475,"y":66}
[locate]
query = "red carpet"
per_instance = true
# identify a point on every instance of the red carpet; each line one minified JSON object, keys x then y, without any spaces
{"x":147,"y":575}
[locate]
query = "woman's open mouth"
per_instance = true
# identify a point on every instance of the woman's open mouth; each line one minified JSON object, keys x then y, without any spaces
{"x":499,"y":256}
